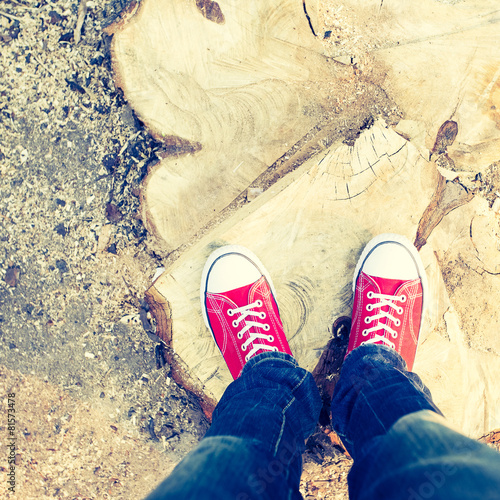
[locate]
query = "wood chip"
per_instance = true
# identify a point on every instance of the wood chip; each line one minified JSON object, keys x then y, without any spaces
{"x":113,"y":214}
{"x":82,"y":12}
{"x":12,"y":275}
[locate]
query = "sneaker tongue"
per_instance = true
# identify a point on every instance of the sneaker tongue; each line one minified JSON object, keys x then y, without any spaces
{"x":388,"y":286}
{"x":239,"y":295}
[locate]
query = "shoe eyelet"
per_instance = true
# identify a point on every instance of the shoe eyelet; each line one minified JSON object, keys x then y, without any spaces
{"x":369,"y":295}
{"x":262,"y":315}
{"x":394,"y":336}
{"x":400,"y":310}
{"x":364,"y":333}
{"x":259,"y":303}
{"x":243,"y":347}
{"x":270,"y":338}
{"x":235,"y":324}
{"x":397,"y":323}
{"x":275,"y":349}
{"x":368,"y":319}
{"x":402,"y":298}
{"x":369,"y":307}
{"x":246,"y":359}
{"x":240,"y":335}
{"x":266,"y":327}
{"x":230,"y":312}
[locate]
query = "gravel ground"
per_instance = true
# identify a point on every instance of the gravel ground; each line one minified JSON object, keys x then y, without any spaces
{"x":74,"y":259}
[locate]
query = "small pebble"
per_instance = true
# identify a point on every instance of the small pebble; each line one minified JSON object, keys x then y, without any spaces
{"x":62,"y":266}
{"x":61,"y":230}
{"x":113,"y":214}
{"x":112,"y":249}
{"x":12,"y":275}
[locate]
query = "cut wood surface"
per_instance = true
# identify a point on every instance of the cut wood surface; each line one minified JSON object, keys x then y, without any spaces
{"x":441,"y":60}
{"x":460,"y":359}
{"x":229,"y":99}
{"x":232,"y":89}
{"x":307,"y":231}
{"x":341,"y":117}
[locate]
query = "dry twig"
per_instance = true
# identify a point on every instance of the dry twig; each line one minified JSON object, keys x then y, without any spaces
{"x":10,"y":16}
{"x":82,"y":12}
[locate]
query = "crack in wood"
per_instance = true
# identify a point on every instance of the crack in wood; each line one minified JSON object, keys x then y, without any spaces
{"x":326,"y":373}
{"x":308,"y":18}
{"x":478,"y":254}
{"x":212,"y":375}
{"x":318,"y":139}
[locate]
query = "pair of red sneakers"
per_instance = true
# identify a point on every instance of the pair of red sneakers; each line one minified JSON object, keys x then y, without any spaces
{"x":239,"y":301}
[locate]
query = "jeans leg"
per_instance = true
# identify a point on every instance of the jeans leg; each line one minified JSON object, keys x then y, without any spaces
{"x":373,"y":392}
{"x":401,"y":446}
{"x":253,"y":448}
{"x":420,"y":458}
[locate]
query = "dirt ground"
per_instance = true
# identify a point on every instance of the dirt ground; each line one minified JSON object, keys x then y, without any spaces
{"x":97,"y":415}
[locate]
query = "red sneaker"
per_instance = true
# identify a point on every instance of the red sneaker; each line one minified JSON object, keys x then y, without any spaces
{"x":239,"y":307}
{"x":389,"y":300}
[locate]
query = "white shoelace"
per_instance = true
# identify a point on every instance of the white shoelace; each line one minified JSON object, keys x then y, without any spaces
{"x":244,"y":312}
{"x":384,"y":300}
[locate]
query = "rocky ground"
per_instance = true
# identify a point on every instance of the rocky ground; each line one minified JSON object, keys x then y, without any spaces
{"x":97,"y":414}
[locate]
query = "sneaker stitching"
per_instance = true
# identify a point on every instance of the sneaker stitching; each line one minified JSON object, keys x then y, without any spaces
{"x":217,"y":304}
{"x":218,"y":300}
{"x":410,"y":289}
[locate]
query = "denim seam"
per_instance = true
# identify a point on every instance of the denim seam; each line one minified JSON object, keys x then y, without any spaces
{"x":300,"y":382}
{"x":373,"y":412}
{"x":278,"y":440}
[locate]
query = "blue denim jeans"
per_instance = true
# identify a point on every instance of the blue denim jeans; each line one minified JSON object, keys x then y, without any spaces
{"x":401,"y":447}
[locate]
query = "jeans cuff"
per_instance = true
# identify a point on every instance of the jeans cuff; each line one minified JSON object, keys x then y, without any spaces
{"x":390,"y":355}
{"x":266,"y":357}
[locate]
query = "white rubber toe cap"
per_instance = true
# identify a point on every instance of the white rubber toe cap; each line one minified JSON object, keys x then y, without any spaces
{"x":231,"y":271}
{"x":391,"y":260}
{"x":392,"y":256}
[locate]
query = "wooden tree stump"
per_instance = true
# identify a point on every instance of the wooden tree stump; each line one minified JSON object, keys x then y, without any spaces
{"x":229,"y":97}
{"x":307,"y":109}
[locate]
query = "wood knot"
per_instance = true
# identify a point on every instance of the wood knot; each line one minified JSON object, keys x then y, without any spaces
{"x":445,"y":137}
{"x":211,"y":11}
